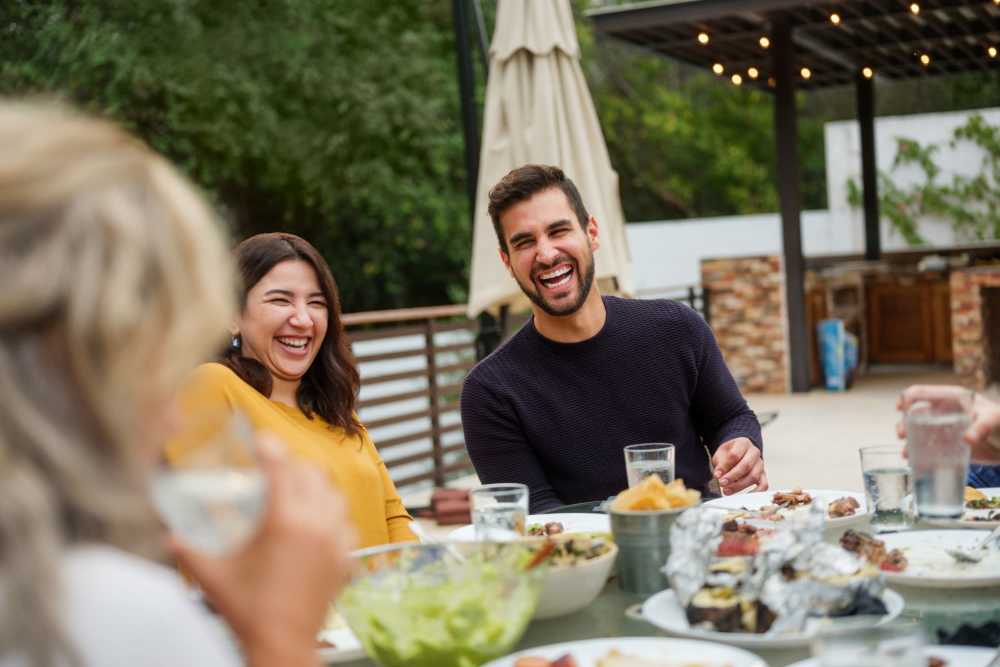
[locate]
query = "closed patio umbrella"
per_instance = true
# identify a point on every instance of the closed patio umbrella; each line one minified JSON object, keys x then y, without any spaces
{"x":538,"y":110}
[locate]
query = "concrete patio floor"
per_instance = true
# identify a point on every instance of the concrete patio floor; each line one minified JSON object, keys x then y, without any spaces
{"x":814,"y":441}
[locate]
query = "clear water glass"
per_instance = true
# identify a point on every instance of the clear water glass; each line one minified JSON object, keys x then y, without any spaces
{"x":858,"y":643}
{"x":939,"y":457}
{"x":499,"y":511}
{"x":888,"y":491}
{"x":212,"y":492}
{"x":651,"y":458}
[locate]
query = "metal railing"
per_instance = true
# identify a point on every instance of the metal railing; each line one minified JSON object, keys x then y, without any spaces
{"x":412,"y":363}
{"x":695,"y":296}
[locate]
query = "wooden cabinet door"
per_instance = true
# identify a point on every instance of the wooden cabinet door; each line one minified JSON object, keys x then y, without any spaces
{"x":941,"y":320}
{"x":900,"y":317}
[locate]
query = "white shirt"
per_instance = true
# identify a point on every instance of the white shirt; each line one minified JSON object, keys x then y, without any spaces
{"x":122,"y":611}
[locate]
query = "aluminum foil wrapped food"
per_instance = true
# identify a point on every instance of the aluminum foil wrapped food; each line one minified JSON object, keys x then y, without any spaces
{"x":799,"y":576}
{"x":693,"y":542}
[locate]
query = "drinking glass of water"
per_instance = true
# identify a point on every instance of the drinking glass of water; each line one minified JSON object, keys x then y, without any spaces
{"x":886,"y":474}
{"x":212,"y":492}
{"x":938,"y":456}
{"x":858,"y":643}
{"x":499,"y":511}
{"x":651,"y":458}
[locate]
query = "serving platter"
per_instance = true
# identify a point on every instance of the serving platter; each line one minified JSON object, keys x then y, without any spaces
{"x":672,"y":652}
{"x":929,"y":566}
{"x":572,"y":523}
{"x":751,"y":504}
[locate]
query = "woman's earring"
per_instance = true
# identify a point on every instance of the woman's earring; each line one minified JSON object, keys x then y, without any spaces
{"x":235,"y":342}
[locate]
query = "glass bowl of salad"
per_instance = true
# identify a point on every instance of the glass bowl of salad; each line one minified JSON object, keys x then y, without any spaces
{"x":441,"y":605}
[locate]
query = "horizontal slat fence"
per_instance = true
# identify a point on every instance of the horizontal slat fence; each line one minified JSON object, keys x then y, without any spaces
{"x":412,"y":363}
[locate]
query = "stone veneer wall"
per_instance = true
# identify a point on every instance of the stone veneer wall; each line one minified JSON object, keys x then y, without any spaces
{"x":967,"y":340}
{"x":746,"y":309}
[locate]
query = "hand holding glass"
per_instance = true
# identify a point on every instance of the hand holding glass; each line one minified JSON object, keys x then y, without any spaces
{"x":212,"y":493}
{"x":938,"y":455}
{"x":652,"y":458}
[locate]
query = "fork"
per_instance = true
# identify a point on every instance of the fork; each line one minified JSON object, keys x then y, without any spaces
{"x":976,"y":553}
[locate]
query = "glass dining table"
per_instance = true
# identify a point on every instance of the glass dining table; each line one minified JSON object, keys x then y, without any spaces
{"x":941,"y":612}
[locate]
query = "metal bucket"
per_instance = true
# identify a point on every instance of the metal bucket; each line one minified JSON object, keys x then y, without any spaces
{"x":643,"y":539}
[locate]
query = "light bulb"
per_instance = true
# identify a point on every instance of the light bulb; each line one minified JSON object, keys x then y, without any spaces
{"x":925,"y":59}
{"x":703,"y":38}
{"x":718,"y":68}
{"x":806,"y":73}
{"x":835,"y":19}
{"x":753,"y":72}
{"x":737,"y":79}
{"x":867,"y":72}
{"x":992,"y":51}
{"x":765,"y":42}
{"x":915,"y":8}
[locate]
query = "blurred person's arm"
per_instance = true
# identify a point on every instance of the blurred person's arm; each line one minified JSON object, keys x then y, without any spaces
{"x":275,"y":591}
{"x":983,"y":435}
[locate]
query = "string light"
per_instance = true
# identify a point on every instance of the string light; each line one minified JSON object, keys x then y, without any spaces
{"x":925,"y":59}
{"x":718,"y":68}
{"x":806,"y":73}
{"x":867,"y":72}
{"x":753,"y":72}
{"x":765,"y":42}
{"x":992,"y":51}
{"x":737,"y":79}
{"x":835,"y":18}
{"x":915,"y":8}
{"x":703,"y":38}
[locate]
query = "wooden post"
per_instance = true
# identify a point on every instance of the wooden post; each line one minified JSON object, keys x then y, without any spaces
{"x":865,"y":89}
{"x":787,"y":137}
{"x":435,"y":405}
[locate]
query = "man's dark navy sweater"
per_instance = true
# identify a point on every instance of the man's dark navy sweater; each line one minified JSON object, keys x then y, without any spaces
{"x":556,"y":416}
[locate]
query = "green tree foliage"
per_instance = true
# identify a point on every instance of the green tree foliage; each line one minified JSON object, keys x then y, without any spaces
{"x":335,"y":120}
{"x":971,"y":204}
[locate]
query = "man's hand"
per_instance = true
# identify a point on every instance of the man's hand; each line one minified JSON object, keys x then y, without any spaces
{"x":737,"y":464}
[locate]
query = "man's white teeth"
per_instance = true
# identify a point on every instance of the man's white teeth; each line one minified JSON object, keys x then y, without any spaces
{"x":554,"y":274}
{"x":561,"y":281}
{"x":293,"y":342}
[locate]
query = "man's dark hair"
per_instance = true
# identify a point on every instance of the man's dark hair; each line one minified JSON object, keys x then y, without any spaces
{"x":524,"y":183}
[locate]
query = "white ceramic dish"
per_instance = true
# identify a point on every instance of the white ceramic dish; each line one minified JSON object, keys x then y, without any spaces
{"x":754,"y":501}
{"x":346,"y":646}
{"x":587,"y":652}
{"x":929,"y":566}
{"x":970,"y":516}
{"x":572,"y":587}
{"x":589,"y":522}
{"x":954,"y":656}
{"x":665,"y":612}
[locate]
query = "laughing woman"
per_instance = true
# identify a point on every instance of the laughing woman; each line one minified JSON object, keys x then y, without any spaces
{"x":290,"y":371}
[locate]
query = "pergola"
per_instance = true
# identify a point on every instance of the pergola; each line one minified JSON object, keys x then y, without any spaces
{"x":782,"y":46}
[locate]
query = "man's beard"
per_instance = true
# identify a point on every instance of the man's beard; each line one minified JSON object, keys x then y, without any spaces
{"x":586,"y":281}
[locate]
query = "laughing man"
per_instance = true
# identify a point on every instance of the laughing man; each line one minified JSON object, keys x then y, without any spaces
{"x":555,"y":405}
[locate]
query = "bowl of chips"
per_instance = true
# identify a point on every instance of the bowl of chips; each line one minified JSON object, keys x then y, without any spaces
{"x":641,"y":519}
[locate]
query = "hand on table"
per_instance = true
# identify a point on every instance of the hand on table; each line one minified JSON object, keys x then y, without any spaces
{"x":276,"y":590}
{"x":737,"y":464}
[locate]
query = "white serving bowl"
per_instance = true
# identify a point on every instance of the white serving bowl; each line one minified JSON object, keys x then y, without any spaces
{"x":569,"y":588}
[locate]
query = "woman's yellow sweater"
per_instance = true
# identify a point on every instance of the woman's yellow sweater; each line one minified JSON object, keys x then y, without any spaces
{"x":352,"y":463}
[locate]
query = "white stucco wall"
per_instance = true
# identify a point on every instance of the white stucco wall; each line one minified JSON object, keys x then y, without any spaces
{"x":668,"y":253}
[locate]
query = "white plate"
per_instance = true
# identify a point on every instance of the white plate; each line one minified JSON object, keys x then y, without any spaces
{"x":955,"y":656}
{"x":672,"y":651}
{"x":754,"y":501}
{"x":930,"y":567}
{"x":347,"y":646}
{"x":665,"y":612}
{"x":584,"y":522}
{"x":967,"y":520}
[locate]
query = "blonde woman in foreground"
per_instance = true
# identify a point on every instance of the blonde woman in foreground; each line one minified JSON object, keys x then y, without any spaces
{"x":116,"y":283}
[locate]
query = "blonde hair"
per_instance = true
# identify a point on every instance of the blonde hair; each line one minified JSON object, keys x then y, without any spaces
{"x":115,"y":281}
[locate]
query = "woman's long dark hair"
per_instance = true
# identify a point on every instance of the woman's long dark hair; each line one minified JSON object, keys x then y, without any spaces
{"x":330,"y":386}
